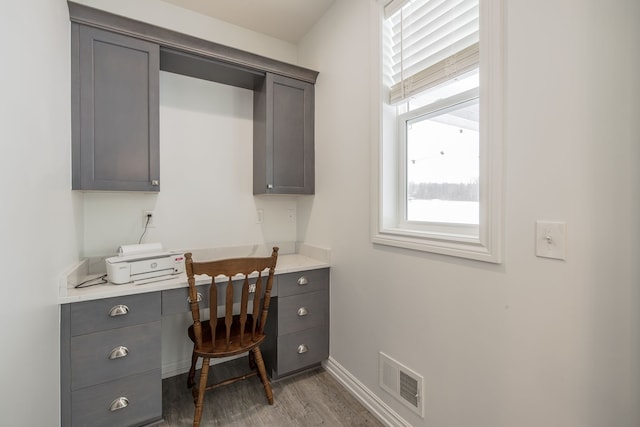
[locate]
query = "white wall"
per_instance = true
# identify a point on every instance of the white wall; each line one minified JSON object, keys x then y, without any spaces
{"x":533,"y":341}
{"x":206,"y":161}
{"x":206,"y":154}
{"x":39,"y":215}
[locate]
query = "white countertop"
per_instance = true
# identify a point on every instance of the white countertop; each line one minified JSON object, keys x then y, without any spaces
{"x":68,"y":294}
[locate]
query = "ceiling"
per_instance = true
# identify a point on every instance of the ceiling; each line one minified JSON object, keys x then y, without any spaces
{"x":287,"y":20}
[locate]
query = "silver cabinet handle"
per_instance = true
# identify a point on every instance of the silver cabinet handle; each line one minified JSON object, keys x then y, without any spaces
{"x":119,"y":403}
{"x":119,"y":352}
{"x":198,"y":298}
{"x":302,"y":348}
{"x":302,"y":311}
{"x":118,"y":310}
{"x":269,"y":186}
{"x":303,"y":281}
{"x":155,"y":182}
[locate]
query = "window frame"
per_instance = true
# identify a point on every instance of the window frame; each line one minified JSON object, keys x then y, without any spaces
{"x":427,"y":111}
{"x":387,"y":223}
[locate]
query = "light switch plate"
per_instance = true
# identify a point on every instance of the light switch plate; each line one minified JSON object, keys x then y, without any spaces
{"x":551,"y":239}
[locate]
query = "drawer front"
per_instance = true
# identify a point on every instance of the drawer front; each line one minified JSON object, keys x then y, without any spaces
{"x":90,"y":354}
{"x":100,"y":315}
{"x":304,"y":311}
{"x":302,"y":282}
{"x":291,"y":349}
{"x":91,"y":406}
{"x":175,"y":301}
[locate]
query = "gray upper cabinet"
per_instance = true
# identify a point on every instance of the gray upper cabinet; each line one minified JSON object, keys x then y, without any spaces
{"x":115,"y":111}
{"x":116,"y":62}
{"x":283,"y":138}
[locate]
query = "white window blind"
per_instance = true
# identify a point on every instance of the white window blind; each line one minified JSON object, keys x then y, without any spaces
{"x":431,"y":41}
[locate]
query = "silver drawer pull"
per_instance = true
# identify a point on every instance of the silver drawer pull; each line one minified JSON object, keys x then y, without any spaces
{"x":198,"y":298}
{"x":302,"y":348}
{"x":119,"y":403}
{"x":302,"y":311}
{"x":119,"y":352}
{"x":118,"y":310}
{"x":303,"y":281}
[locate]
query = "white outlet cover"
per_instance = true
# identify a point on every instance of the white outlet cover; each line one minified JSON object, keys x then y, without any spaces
{"x":551,"y":239}
{"x":291,"y":215}
{"x":152,"y":221}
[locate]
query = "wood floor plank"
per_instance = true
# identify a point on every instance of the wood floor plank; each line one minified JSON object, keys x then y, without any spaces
{"x":312,"y":398}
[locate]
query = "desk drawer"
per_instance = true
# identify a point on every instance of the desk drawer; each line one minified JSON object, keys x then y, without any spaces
{"x":90,"y":362}
{"x":302,"y":282}
{"x":304,"y":311}
{"x":91,"y":406}
{"x":176,"y":301}
{"x":302,"y":349}
{"x":101,"y":315}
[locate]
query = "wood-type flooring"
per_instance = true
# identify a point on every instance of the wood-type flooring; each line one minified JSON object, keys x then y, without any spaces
{"x":312,"y":398}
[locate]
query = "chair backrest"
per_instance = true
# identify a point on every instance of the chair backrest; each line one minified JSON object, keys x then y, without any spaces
{"x":233,"y":269}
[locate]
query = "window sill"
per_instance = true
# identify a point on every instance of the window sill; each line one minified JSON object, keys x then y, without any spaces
{"x":461,"y":248}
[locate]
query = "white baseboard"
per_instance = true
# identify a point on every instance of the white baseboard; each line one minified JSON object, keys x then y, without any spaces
{"x":177,"y":368}
{"x":377,"y":407}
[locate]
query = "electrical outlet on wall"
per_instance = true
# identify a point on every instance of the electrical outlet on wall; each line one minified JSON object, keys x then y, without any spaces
{"x":291,"y":215}
{"x":148,"y":215}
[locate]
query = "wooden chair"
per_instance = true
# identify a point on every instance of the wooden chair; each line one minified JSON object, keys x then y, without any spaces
{"x":232,"y":333}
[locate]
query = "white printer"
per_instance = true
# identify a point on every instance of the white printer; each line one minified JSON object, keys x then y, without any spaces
{"x":143,"y":263}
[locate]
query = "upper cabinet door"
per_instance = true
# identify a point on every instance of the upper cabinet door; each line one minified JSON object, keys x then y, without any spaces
{"x":115,"y":111}
{"x":283,"y":137}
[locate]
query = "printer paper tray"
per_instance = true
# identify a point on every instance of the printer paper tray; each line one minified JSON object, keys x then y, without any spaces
{"x":153,"y":279}
{"x":135,"y":278}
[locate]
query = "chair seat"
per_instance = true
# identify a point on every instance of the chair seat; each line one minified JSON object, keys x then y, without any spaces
{"x":221,"y":349}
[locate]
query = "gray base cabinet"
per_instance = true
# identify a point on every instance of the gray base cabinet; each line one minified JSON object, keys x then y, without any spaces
{"x":298,"y":323}
{"x":110,"y":349}
{"x":115,"y":111}
{"x":283,"y":137}
{"x":110,"y":362}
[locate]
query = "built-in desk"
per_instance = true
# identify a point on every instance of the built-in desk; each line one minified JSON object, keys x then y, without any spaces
{"x":111,"y":340}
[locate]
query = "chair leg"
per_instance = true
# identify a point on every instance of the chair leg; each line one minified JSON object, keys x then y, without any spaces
{"x":263,"y":374}
{"x":192,"y":371}
{"x":204,"y":375}
{"x":252,"y":361}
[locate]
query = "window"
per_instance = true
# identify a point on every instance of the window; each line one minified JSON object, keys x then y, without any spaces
{"x":439,"y":160}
